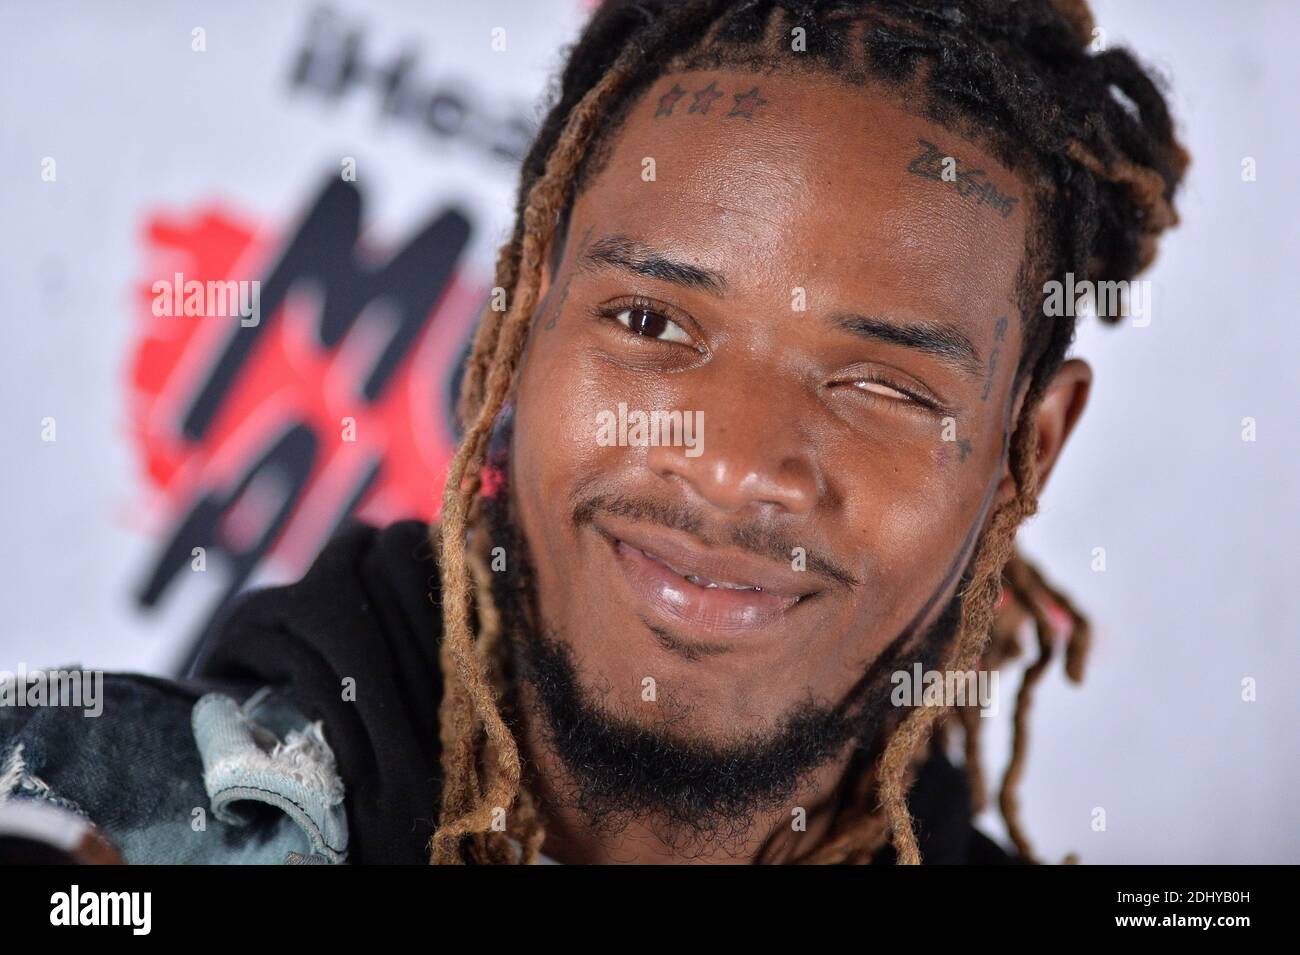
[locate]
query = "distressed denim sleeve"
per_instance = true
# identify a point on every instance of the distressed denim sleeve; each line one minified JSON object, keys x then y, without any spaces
{"x":166,"y":784}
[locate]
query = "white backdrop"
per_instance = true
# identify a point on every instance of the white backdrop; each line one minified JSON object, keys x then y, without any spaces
{"x":145,"y":131}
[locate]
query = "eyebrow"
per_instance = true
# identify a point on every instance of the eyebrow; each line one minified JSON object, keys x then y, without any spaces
{"x":631,"y":255}
{"x":946,"y":342}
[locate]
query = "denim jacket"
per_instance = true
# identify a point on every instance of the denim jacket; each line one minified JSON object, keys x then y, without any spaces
{"x":177,"y":772}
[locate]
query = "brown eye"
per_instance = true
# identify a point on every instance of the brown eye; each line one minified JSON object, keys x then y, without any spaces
{"x":645,"y":322}
{"x":652,"y":324}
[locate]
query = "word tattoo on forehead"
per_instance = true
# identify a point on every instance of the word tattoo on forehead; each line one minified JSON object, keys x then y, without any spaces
{"x":970,"y":183}
{"x":999,"y":334}
{"x":553,"y":309}
{"x":744,"y":104}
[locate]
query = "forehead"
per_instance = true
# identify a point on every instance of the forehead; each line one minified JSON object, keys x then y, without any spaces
{"x":780,"y":181}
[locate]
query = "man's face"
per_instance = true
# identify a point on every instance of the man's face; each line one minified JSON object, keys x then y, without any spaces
{"x":836,"y":300}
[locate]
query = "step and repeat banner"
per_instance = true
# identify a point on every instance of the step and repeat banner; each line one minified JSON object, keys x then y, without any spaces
{"x":260,"y":234}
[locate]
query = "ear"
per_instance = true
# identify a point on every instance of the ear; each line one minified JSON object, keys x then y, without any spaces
{"x":1059,"y":411}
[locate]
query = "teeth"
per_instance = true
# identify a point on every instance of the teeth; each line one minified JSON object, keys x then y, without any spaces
{"x":713,"y":585}
{"x":704,"y":582}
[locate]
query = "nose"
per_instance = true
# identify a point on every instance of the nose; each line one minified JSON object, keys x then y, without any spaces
{"x":754,"y":453}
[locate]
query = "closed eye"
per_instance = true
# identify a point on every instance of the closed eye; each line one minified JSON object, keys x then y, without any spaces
{"x":881,"y":388}
{"x":893,"y":393}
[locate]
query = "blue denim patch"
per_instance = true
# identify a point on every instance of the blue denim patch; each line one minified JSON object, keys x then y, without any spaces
{"x":245,"y":763}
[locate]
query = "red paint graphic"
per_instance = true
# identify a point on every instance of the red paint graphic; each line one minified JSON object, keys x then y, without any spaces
{"x":288,"y":377}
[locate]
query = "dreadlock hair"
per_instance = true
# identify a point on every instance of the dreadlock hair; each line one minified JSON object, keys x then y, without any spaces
{"x":1091,"y":135}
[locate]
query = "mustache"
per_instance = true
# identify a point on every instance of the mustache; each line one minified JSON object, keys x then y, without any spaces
{"x":759,"y":539}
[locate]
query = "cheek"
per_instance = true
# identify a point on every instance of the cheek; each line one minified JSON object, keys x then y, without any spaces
{"x":561,"y":391}
{"x":909,"y":514}
{"x":555,"y":456}
{"x":567,"y":382}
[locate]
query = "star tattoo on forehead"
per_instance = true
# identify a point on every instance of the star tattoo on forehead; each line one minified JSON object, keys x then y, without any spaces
{"x":746,"y":103}
{"x":669,"y":100}
{"x":704,"y":98}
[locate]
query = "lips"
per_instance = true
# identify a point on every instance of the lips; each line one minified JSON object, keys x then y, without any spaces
{"x":687,"y":585}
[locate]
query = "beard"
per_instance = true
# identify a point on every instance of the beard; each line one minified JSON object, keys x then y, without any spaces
{"x":696,"y":795}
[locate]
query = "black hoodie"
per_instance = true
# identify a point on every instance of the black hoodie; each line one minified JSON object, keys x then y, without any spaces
{"x":355,"y":643}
